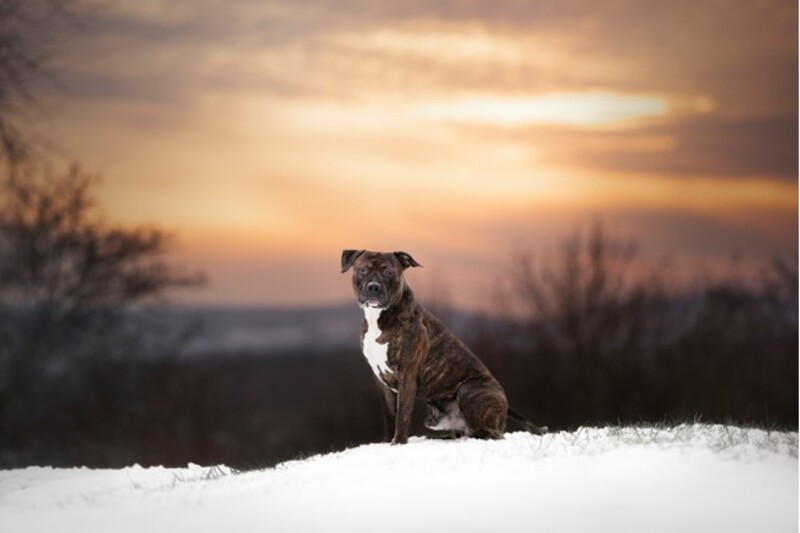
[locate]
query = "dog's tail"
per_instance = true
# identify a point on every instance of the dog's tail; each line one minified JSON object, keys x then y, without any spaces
{"x":526,"y":424}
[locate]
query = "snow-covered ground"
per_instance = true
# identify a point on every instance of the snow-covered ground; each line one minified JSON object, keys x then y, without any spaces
{"x":690,"y":478}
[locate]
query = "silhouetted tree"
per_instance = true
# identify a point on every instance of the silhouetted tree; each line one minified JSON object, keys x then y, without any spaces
{"x":66,"y":280}
{"x":599,"y":336}
{"x":592,"y":306}
{"x":29,"y":34}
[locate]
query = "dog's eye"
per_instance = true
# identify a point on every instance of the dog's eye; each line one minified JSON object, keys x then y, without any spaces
{"x":388,"y":273}
{"x":363,"y":270}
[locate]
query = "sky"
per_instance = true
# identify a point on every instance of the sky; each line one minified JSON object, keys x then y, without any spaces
{"x":269,"y":136}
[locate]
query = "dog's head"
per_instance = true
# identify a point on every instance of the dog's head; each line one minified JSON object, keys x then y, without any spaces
{"x":377,"y":277}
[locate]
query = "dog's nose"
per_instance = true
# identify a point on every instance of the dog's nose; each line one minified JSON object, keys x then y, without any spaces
{"x":373,"y":287}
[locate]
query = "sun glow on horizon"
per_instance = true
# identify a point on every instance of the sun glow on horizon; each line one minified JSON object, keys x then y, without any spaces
{"x":586,"y":109}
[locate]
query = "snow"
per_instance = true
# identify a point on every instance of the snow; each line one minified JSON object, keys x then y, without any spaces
{"x":690,"y":478}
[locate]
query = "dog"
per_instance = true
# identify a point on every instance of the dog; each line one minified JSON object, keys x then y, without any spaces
{"x":413,"y":355}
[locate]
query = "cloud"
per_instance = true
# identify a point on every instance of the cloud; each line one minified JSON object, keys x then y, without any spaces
{"x":689,"y":146}
{"x":708,"y":146}
{"x":732,"y":50}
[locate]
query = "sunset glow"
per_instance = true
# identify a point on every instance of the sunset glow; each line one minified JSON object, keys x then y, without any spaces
{"x":269,"y":135}
{"x":601,"y":110}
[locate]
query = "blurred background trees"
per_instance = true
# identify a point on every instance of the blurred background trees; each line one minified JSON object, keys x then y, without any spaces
{"x":589,"y":336}
{"x":600,"y":337}
{"x":68,"y":284}
{"x":30,"y":33}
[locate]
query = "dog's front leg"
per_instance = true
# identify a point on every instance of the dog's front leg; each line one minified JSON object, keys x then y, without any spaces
{"x":406,"y":393}
{"x":407,"y":387}
{"x":389,"y":408}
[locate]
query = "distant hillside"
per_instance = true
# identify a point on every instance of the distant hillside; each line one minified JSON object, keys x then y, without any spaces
{"x":214,"y":331}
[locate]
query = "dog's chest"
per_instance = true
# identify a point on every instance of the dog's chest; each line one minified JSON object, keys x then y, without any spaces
{"x":377,"y":353}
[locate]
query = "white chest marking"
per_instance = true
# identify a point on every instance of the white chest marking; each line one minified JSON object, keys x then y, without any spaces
{"x":377,"y":354}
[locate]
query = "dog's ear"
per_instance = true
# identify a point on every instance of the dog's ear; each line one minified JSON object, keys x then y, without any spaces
{"x":349,"y":257}
{"x":406,"y":260}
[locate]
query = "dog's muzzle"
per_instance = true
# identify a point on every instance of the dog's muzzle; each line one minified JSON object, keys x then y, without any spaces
{"x":374,"y":295}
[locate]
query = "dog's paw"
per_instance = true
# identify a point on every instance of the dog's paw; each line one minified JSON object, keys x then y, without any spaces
{"x":399,"y":440}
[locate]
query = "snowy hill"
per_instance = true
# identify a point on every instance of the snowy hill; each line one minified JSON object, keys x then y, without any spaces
{"x":689,"y":478}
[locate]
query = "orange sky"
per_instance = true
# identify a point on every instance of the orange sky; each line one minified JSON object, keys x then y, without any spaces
{"x":270,"y":135}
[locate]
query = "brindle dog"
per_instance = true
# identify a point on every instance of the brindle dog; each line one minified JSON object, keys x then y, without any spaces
{"x":413,"y":355}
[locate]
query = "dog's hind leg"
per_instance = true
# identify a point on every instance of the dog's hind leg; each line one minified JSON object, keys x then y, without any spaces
{"x":483,"y":405}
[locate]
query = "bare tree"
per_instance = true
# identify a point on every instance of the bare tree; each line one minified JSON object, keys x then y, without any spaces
{"x":54,"y":252}
{"x":600,"y":335}
{"x":29,"y":37}
{"x":66,"y":281}
{"x":588,"y":312}
{"x":588,"y":302}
